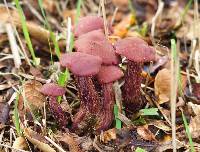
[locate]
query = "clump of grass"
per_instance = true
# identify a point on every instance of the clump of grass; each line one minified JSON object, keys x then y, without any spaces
{"x":36,"y":60}
{"x":52,"y":35}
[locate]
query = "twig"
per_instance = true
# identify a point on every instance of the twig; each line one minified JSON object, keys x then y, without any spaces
{"x":104,"y":18}
{"x":53,"y":143}
{"x":114,"y":16}
{"x":7,"y":146}
{"x":13,"y":45}
{"x":69,"y":26}
{"x":154,"y":19}
{"x":174,"y":86}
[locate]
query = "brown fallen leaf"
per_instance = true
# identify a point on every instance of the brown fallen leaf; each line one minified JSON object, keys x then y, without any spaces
{"x":4,"y":113}
{"x":145,"y":133}
{"x":108,"y":135}
{"x":194,"y":126}
{"x":121,"y":29}
{"x":33,"y":97}
{"x":20,"y":143}
{"x":194,"y":108}
{"x":71,"y":142}
{"x":196,"y":91}
{"x":162,"y":85}
{"x":37,"y":140}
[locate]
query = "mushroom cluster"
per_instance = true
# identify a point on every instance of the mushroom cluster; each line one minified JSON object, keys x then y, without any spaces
{"x":94,"y":65}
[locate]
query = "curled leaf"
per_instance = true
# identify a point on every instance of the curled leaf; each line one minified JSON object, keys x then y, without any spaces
{"x":37,"y":140}
{"x":145,"y":133}
{"x":162,"y":85}
{"x":32,"y":97}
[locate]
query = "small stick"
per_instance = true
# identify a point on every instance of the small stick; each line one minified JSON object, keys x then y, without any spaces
{"x":154,"y":19}
{"x":104,"y":18}
{"x":13,"y":45}
{"x":53,"y":143}
{"x":69,"y":26}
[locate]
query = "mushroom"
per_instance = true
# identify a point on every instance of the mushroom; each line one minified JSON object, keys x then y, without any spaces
{"x":84,"y":67}
{"x":137,"y":52}
{"x":106,"y":76}
{"x":95,"y":43}
{"x":52,"y":90}
{"x":87,"y":24}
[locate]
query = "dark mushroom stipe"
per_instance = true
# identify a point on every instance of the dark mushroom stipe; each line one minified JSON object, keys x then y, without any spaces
{"x":131,"y":88}
{"x":106,"y":115}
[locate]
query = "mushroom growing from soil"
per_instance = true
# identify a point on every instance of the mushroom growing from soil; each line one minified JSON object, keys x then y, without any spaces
{"x":52,"y":90}
{"x":84,"y":67}
{"x":106,"y":76}
{"x":95,"y":43}
{"x":87,"y":24}
{"x":137,"y":52}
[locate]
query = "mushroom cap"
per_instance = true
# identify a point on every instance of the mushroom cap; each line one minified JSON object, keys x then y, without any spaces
{"x":109,"y":74}
{"x":52,"y":89}
{"x":95,"y":43}
{"x":87,"y":24}
{"x":81,"y":64}
{"x":135,"y":49}
{"x":96,"y":35}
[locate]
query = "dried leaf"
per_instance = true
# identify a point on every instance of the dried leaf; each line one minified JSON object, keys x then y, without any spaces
{"x":162,"y":85}
{"x":37,"y":140}
{"x":145,"y":133}
{"x":4,"y":113}
{"x":194,"y":126}
{"x":33,"y":98}
{"x":71,"y":142}
{"x":161,"y":61}
{"x":195,"y":108}
{"x":20,"y":143}
{"x":160,"y":124}
{"x":121,"y":29}
{"x":108,"y":135}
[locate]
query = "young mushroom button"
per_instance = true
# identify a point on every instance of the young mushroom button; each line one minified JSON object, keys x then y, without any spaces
{"x":137,"y":52}
{"x":53,"y":91}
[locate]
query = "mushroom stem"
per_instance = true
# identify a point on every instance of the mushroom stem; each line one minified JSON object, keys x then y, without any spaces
{"x":106,"y":116}
{"x":90,"y":104}
{"x":57,"y":111}
{"x":131,"y":88}
{"x":88,"y":95}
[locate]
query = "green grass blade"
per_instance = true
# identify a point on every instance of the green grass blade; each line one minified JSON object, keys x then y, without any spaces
{"x":188,"y":132}
{"x":149,"y":112}
{"x":138,"y":149}
{"x":118,"y":122}
{"x":187,"y":7}
{"x":16,"y":116}
{"x":52,"y":35}
{"x":26,"y":33}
